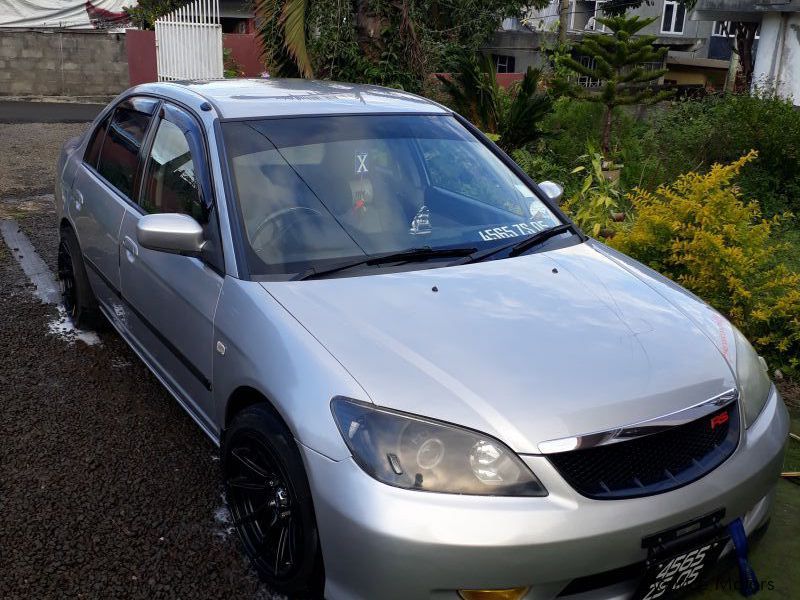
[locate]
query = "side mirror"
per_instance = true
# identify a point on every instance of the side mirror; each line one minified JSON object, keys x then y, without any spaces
{"x":170,"y":232}
{"x":552,"y":190}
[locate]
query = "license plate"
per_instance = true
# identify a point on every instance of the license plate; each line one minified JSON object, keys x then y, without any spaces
{"x":666,"y":576}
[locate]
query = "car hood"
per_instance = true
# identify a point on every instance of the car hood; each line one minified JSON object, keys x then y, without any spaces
{"x":526,"y":349}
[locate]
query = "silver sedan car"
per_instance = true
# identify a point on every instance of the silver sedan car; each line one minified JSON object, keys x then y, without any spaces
{"x":425,"y":381}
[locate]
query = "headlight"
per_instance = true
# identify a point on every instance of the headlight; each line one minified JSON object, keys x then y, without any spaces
{"x":418,"y":454}
{"x":751,"y":375}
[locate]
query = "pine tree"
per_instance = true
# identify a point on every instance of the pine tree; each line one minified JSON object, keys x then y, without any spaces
{"x":620,"y":65}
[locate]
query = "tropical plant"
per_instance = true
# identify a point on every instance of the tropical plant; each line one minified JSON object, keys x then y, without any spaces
{"x":515,"y":119}
{"x":284,"y":34}
{"x":596,"y":204}
{"x":520,"y":121}
{"x":700,"y":232}
{"x":390,"y":42}
{"x":474,"y":91}
{"x":619,"y":64}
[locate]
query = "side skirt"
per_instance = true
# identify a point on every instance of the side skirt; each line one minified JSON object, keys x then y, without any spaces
{"x":155,"y":371}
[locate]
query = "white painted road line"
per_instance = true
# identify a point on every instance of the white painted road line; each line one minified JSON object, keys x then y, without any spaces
{"x":47,"y":289}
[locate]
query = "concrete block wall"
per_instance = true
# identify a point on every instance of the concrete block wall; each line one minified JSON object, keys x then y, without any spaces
{"x":62,"y":63}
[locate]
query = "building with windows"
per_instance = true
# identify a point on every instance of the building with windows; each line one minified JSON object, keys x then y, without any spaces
{"x":777,"y":61}
{"x":699,"y":51}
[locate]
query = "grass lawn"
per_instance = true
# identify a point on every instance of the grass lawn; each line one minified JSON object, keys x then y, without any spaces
{"x":775,"y":557}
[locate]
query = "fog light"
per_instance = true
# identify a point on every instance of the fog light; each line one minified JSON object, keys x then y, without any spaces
{"x":510,"y":594}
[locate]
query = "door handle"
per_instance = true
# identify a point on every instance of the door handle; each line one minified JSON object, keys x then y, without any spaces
{"x":130,"y":247}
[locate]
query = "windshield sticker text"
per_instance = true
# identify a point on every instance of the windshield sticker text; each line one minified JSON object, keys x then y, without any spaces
{"x":511,"y":231}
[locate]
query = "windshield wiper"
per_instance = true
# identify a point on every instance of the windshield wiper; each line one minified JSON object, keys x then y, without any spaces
{"x":412,"y":255}
{"x":517,"y":248}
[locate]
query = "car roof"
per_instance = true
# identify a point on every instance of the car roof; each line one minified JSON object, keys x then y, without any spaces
{"x":267,"y":97}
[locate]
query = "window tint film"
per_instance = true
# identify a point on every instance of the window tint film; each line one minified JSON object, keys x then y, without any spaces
{"x":170,"y":185}
{"x":120,"y":153}
{"x":96,"y":143}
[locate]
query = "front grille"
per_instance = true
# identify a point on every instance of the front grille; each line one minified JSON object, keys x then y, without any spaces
{"x":652,"y":464}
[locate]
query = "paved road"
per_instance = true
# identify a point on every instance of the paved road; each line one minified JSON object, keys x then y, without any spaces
{"x":47,"y":112}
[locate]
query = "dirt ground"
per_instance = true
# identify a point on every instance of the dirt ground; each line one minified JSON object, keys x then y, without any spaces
{"x":107,"y":488}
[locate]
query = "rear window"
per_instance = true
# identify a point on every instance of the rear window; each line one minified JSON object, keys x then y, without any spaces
{"x":119,"y":156}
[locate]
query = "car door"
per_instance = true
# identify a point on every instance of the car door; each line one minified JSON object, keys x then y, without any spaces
{"x":170,"y":299}
{"x":104,"y":187}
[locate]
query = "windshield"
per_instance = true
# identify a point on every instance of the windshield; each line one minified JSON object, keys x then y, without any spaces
{"x":314,"y":191}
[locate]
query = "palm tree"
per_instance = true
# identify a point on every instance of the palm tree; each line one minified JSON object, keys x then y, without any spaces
{"x":477,"y":96}
{"x":283,"y":31}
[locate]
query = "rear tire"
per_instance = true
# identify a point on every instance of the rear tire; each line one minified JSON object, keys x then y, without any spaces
{"x":270,"y":501}
{"x":76,"y":292}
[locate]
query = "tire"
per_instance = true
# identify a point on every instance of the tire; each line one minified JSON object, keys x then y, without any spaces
{"x":270,"y":500}
{"x":76,"y":292}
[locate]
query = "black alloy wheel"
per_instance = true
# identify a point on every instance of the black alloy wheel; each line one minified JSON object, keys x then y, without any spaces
{"x":66,"y":279}
{"x":76,"y":291}
{"x":270,"y":502}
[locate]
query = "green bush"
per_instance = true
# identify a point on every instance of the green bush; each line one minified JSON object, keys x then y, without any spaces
{"x":701,"y":233}
{"x":694,"y":134}
{"x":574,"y":125}
{"x":598,"y":198}
{"x":540,"y":165}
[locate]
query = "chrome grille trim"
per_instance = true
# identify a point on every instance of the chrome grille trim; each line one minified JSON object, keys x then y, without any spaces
{"x":640,"y":429}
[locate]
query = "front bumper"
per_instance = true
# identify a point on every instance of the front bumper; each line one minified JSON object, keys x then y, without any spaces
{"x":381,"y":542}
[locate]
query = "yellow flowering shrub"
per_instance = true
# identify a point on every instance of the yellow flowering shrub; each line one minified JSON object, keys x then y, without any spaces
{"x":701,"y":233}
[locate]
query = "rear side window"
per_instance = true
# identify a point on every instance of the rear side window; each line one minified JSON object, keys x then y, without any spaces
{"x":170,"y":183}
{"x":96,"y":143}
{"x":119,"y":156}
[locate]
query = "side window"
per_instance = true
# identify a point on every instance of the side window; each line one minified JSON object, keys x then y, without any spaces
{"x":170,"y":185}
{"x":96,"y":143}
{"x":119,"y":156}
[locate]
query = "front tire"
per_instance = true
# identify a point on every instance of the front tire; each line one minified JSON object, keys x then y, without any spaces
{"x":270,"y":502}
{"x":76,"y":292}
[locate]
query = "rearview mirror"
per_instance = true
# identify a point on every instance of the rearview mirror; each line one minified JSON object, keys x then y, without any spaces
{"x":552,"y":190}
{"x":170,"y":232}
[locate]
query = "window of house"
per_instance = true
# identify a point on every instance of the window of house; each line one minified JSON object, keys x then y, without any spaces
{"x":119,"y":156}
{"x":728,"y":29}
{"x":585,"y":80}
{"x":170,"y":185}
{"x":504,"y":63}
{"x":674,"y":17}
{"x":721,"y":29}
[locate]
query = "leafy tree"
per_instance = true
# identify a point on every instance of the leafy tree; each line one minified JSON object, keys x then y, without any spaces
{"x":389,"y":42}
{"x":618,"y":65}
{"x":475,"y":93}
{"x":145,"y":12}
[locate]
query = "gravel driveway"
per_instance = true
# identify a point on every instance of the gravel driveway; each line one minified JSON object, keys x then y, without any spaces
{"x":107,"y":488}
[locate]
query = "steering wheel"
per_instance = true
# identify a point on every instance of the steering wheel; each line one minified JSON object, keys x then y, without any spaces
{"x":278,"y":223}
